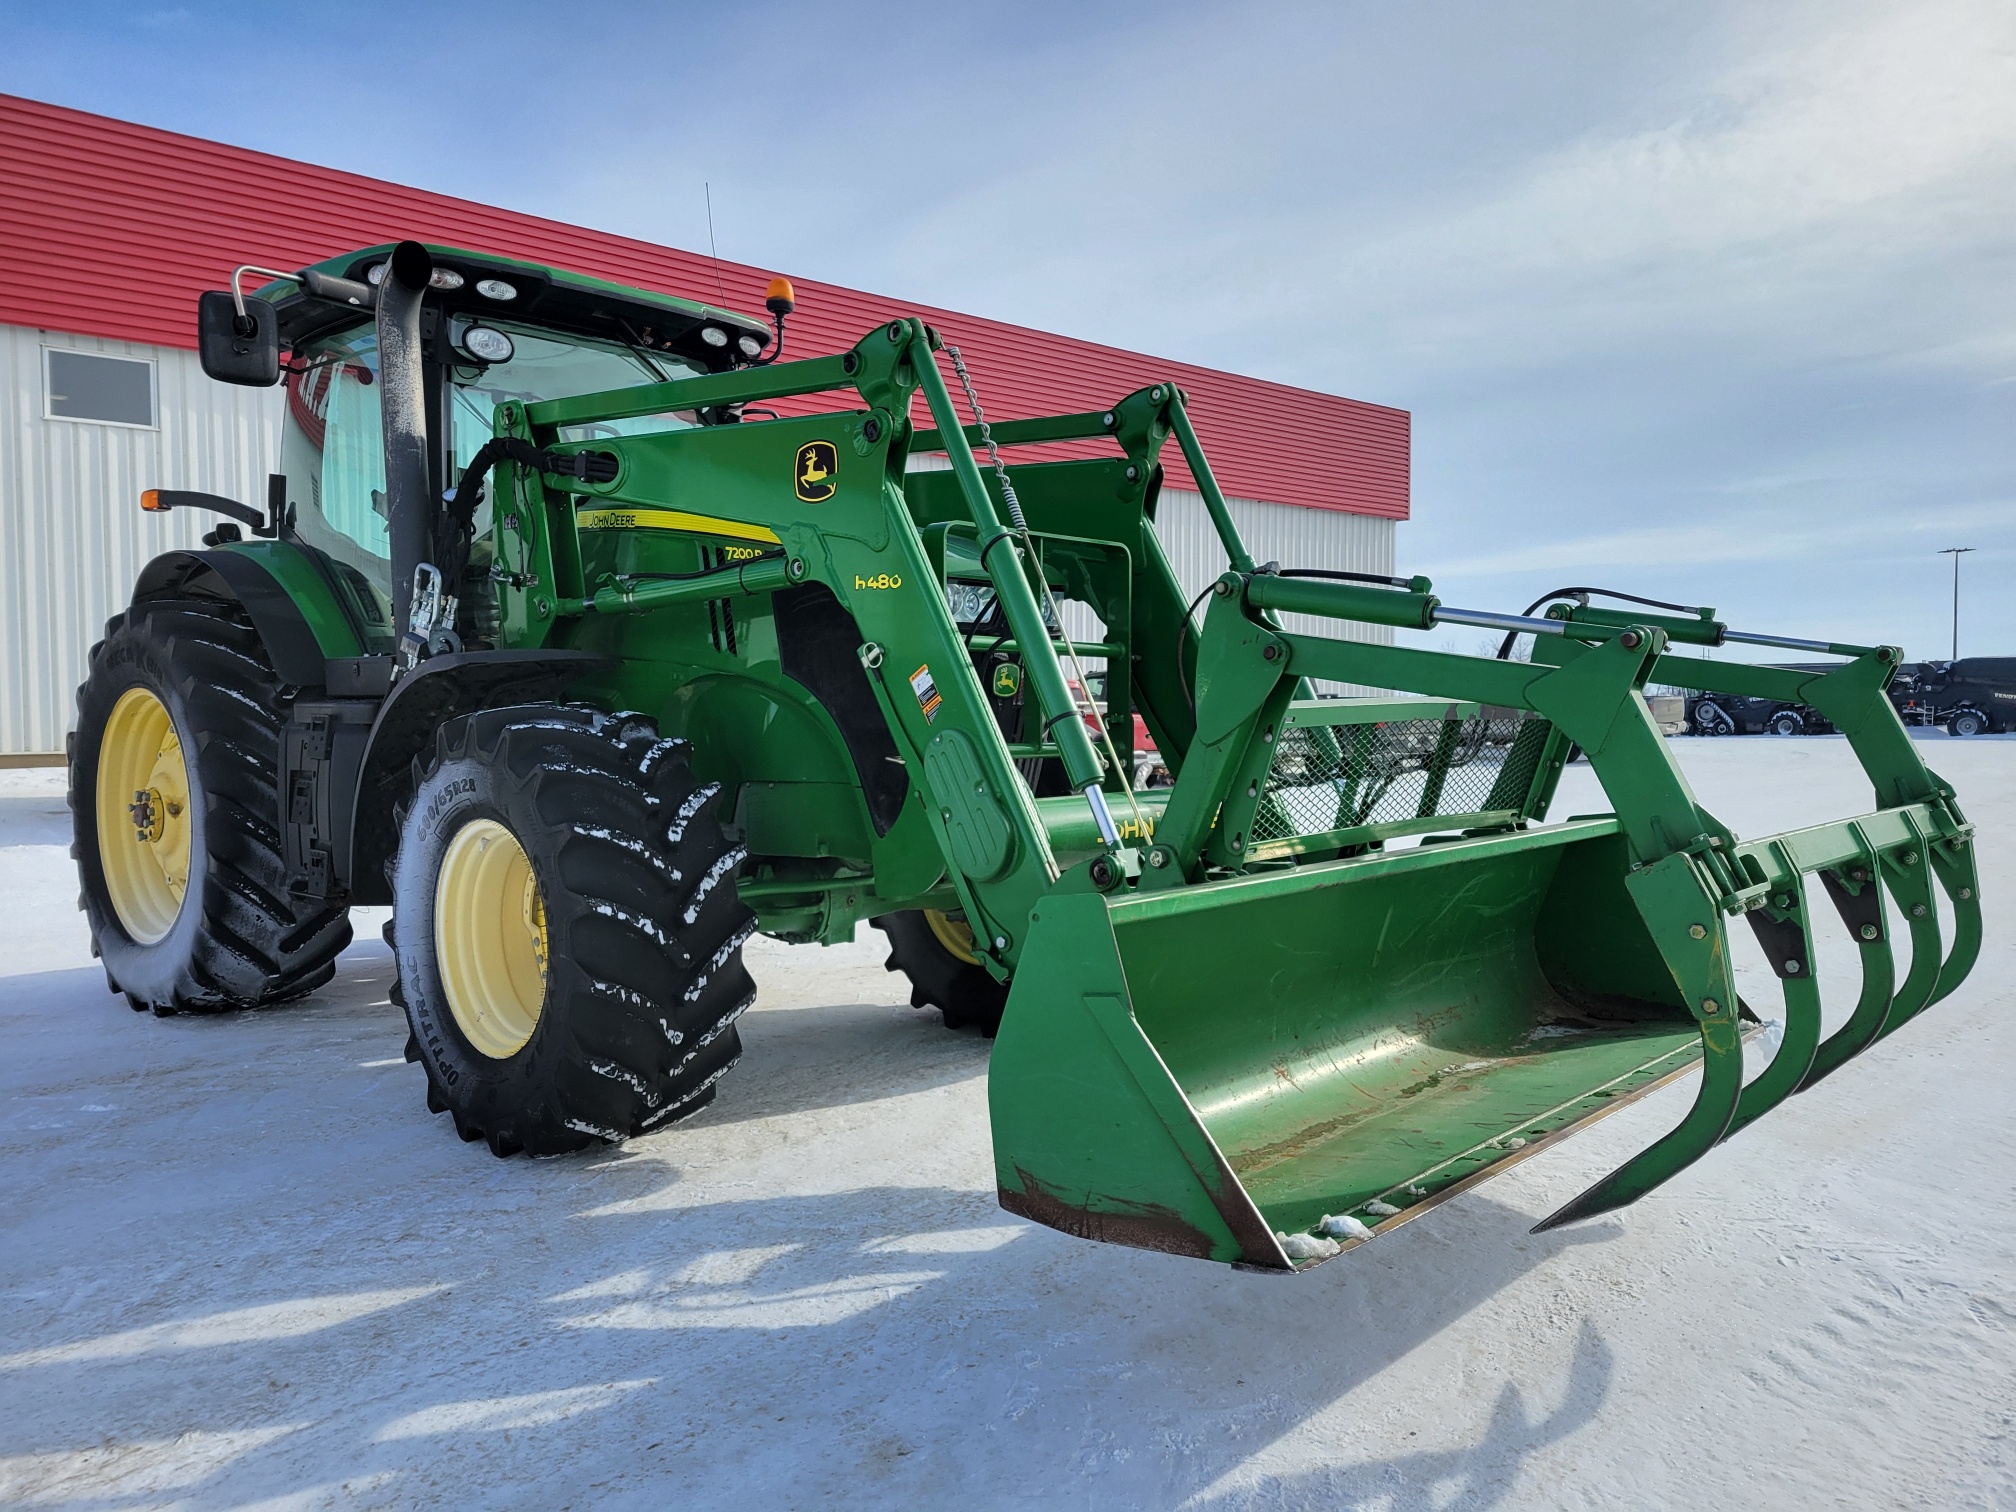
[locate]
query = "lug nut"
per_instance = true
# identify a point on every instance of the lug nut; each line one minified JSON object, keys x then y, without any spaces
{"x":1710,"y":1007}
{"x":1697,"y":931}
{"x":1793,"y":968}
{"x":1917,"y":910}
{"x":1868,"y":931}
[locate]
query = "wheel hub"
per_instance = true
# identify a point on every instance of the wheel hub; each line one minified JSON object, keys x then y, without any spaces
{"x":140,"y":754}
{"x":490,"y":938}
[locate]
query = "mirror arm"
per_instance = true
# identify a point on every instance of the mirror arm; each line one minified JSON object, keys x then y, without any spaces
{"x":238,"y":294}
{"x":161,"y":500}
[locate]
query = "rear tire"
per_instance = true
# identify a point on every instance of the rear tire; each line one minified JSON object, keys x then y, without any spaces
{"x":567,"y":929}
{"x":1785,"y":722}
{"x":178,"y":739}
{"x":1967,"y":723}
{"x":942,"y":970}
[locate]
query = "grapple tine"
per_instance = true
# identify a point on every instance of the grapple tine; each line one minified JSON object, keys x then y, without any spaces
{"x":1678,"y":907}
{"x":1908,"y":877}
{"x":1953,"y":864}
{"x":1858,"y":898}
{"x":1782,"y":933}
{"x":1697,"y":1134}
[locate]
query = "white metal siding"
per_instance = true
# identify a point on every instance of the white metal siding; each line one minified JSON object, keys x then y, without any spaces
{"x":72,"y":535}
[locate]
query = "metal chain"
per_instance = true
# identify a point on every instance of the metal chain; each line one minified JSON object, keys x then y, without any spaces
{"x":1049,"y":599}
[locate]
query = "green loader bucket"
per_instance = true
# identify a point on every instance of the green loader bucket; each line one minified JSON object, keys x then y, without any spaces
{"x":1200,"y":1070}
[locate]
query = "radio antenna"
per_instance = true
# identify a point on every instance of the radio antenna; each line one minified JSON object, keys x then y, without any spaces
{"x":708,"y":189}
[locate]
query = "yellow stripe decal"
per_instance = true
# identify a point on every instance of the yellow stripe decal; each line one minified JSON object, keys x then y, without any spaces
{"x":670,"y":519}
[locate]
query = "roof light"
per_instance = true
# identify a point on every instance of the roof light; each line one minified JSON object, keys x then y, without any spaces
{"x":496,"y":288}
{"x":751,"y":345}
{"x":780,"y":298}
{"x":150,"y":500}
{"x":441,"y":278}
{"x":714,"y":336}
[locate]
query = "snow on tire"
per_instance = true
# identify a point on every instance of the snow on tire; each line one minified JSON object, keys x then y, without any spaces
{"x":633,"y":1025}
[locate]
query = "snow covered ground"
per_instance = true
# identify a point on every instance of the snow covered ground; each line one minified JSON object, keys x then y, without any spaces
{"x":240,"y":1264}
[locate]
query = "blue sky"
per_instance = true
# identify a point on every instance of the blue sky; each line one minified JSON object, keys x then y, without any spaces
{"x":1707,"y":301}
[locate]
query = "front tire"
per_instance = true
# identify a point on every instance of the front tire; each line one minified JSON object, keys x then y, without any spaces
{"x":1785,"y":722}
{"x":175,"y":807}
{"x":567,"y":929}
{"x":1967,"y":724}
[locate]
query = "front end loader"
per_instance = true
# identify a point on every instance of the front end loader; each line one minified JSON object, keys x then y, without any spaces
{"x":595,"y":638}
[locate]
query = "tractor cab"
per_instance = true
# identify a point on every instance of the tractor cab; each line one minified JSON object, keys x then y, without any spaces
{"x":493,"y":330}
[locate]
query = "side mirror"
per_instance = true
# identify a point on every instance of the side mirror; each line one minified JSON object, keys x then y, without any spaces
{"x":238,"y":348}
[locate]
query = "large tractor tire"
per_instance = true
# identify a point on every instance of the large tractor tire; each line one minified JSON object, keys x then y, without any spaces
{"x":175,"y":805}
{"x":935,"y":951}
{"x":567,"y":929}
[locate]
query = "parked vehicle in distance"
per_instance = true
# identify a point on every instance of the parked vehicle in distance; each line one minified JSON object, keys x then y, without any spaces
{"x":1975,"y":695}
{"x":1729,"y":714}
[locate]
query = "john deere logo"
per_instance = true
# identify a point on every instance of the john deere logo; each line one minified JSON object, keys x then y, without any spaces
{"x":818,"y":466}
{"x":1007,"y":680}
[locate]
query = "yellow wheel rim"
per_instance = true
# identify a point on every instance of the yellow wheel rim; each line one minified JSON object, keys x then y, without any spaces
{"x":143,"y":816}
{"x":490,"y":938}
{"x":956,"y":935}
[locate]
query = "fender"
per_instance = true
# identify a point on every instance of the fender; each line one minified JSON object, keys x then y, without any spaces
{"x":438,"y":690}
{"x":297,"y":617}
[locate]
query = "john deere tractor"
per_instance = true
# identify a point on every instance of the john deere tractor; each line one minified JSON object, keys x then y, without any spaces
{"x":594,"y":638}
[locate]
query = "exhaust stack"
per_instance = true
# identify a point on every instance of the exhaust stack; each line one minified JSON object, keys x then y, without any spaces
{"x":403,"y":406}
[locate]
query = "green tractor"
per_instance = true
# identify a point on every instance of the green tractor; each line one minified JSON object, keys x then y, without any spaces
{"x":593,"y":639}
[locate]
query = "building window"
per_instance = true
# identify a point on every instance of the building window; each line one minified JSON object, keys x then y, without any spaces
{"x":87,"y":386}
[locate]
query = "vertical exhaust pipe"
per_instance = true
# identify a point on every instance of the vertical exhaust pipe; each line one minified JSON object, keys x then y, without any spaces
{"x":402,"y":403}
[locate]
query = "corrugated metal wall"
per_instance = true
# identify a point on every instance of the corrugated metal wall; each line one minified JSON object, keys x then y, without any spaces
{"x":72,"y":536}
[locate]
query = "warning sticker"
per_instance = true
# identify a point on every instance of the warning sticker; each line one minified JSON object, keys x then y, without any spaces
{"x":926,"y":691}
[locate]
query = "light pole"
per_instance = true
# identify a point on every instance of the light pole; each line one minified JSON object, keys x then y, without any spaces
{"x":1956,"y":552}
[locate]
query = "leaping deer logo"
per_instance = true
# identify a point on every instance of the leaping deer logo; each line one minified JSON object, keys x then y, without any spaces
{"x":818,"y":464}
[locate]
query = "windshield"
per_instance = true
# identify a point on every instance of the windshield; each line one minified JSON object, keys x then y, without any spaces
{"x":332,"y":444}
{"x":546,"y":366}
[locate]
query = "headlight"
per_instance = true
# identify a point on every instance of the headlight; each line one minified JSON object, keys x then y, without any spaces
{"x":487,"y":344}
{"x":750,"y":346}
{"x":375,"y":274}
{"x":496,"y":288}
{"x":714,"y":336}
